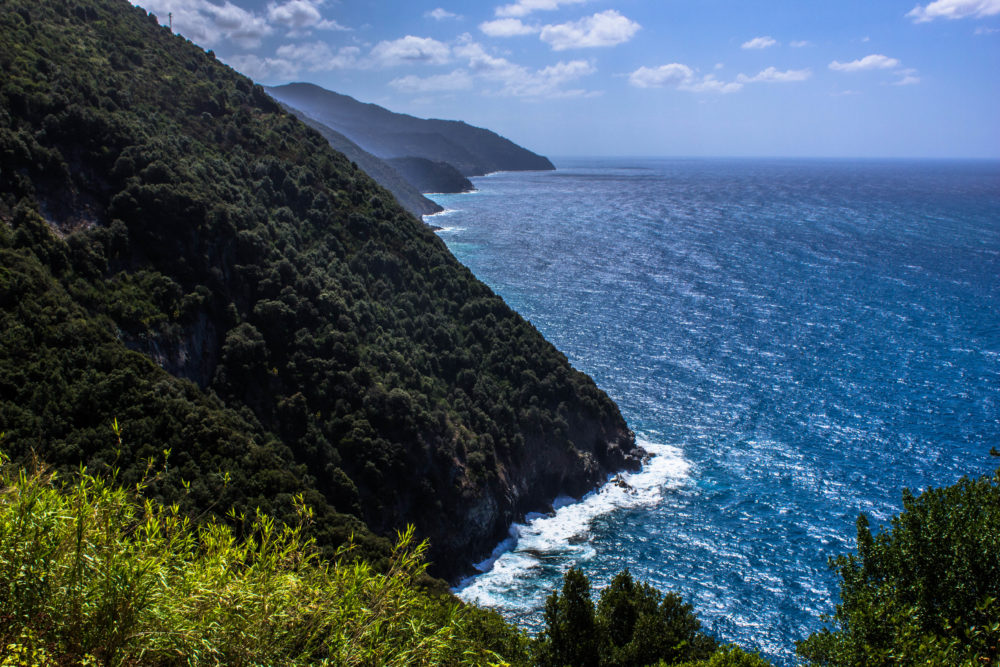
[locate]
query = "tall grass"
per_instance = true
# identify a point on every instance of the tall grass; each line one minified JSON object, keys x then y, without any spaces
{"x":91,"y":574}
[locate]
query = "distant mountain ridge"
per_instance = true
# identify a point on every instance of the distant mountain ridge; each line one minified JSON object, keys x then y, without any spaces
{"x":430,"y":175}
{"x":406,"y":191}
{"x":473,"y":151}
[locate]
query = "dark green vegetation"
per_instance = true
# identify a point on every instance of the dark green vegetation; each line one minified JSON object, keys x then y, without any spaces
{"x":431,"y":176}
{"x":406,"y":193}
{"x":633,"y":625}
{"x":471,"y":150}
{"x":924,"y":591}
{"x":180,"y":254}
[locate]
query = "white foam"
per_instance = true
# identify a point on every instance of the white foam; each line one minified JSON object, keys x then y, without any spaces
{"x":441,"y":214}
{"x":564,"y":534}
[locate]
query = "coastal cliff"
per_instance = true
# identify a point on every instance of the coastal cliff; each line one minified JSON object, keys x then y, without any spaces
{"x":184,"y":257}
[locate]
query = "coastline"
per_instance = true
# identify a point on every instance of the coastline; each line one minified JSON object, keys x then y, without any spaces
{"x":562,"y":532}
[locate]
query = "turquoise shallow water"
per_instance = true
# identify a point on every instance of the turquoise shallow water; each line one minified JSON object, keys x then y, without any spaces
{"x":796,"y":340}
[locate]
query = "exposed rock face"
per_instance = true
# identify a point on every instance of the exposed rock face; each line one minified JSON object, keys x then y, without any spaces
{"x":482,"y":517}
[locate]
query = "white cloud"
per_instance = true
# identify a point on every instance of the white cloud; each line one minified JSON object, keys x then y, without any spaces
{"x":983,"y":30}
{"x":209,"y":23}
{"x":457,"y":80}
{"x":547,"y":82}
{"x":507,"y":28}
{"x":244,"y":28}
{"x":300,"y":16}
{"x":657,"y":77}
{"x":319,"y":57}
{"x":607,"y":28}
{"x":908,"y":77}
{"x":709,"y":84}
{"x":440,"y":14}
{"x":954,"y":9}
{"x":874,"y":61}
{"x":799,"y":44}
{"x":295,"y":14}
{"x":682,"y":77}
{"x":772,"y":75}
{"x":263,"y":69}
{"x":510,"y":79}
{"x":410,"y":50}
{"x":759,"y":43}
{"x":525,"y":7}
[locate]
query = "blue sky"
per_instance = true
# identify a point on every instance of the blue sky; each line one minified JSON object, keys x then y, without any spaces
{"x":836,"y":78}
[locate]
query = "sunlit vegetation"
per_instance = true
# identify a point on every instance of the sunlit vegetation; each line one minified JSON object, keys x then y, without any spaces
{"x":91,"y":575}
{"x":926,"y":590}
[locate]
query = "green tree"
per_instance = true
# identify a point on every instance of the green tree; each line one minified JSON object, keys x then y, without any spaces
{"x":633,"y":625}
{"x":641,"y":625}
{"x":570,"y":635}
{"x":923,"y":591}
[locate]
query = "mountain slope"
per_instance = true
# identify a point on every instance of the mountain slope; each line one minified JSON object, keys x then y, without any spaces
{"x":429,"y":176}
{"x":472,"y":150}
{"x":336,"y":346}
{"x":406,"y":192}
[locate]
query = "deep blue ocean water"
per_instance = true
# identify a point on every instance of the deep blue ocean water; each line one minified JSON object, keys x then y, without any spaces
{"x":796,"y":340}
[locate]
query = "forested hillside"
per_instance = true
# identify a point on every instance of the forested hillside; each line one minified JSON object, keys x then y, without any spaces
{"x":405,"y":192}
{"x":184,"y":257}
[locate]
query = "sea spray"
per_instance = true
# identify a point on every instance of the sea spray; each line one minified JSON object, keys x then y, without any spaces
{"x":559,"y":540}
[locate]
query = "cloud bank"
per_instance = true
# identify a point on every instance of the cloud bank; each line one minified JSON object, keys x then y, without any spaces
{"x":954,"y":9}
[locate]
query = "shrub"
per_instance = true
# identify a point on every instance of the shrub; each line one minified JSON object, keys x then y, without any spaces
{"x":88,"y":573}
{"x":925,"y":590}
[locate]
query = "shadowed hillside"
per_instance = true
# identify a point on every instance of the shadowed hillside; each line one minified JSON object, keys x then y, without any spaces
{"x":182,"y":255}
{"x":471,"y":150}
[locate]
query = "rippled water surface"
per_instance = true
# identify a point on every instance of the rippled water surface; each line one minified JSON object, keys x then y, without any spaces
{"x":796,"y":340}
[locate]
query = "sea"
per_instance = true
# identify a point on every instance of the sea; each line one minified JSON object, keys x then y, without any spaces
{"x":794,"y":341}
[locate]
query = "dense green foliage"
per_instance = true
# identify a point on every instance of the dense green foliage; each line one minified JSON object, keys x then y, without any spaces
{"x":154,"y":200}
{"x":89,"y":575}
{"x":405,"y":192}
{"x":924,"y":591}
{"x":632,"y":625}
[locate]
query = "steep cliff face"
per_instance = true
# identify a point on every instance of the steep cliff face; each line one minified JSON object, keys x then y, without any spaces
{"x":334,"y":346}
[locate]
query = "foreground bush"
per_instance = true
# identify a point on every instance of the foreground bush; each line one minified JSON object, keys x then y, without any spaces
{"x":88,"y":574}
{"x":632,"y":625}
{"x":925,"y":591}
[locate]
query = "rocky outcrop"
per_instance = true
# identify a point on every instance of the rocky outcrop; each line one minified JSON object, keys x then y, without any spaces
{"x":480,"y":517}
